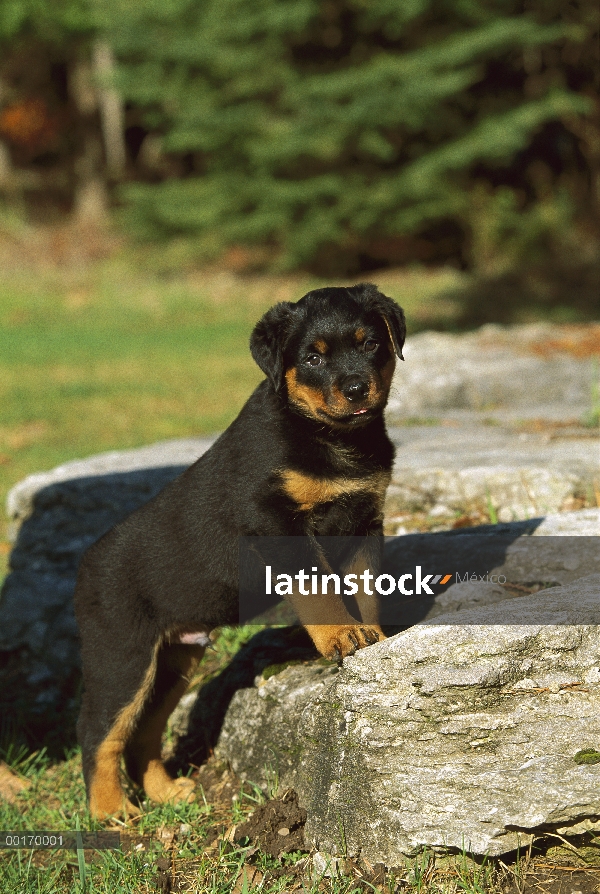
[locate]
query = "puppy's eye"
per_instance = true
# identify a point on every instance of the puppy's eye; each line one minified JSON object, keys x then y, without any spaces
{"x":314,"y":360}
{"x":370,"y":345}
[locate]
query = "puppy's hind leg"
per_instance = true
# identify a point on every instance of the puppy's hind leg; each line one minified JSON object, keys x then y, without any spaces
{"x":113,"y":700}
{"x":175,"y":665}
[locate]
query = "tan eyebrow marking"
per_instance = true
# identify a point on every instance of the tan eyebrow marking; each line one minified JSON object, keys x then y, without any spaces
{"x":321,"y":346}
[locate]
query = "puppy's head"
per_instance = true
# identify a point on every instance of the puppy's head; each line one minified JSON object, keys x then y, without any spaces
{"x":333,"y":352}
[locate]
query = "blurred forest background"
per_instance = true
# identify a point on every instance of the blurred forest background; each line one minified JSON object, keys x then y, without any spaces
{"x":171,"y":168}
{"x":334,"y":136}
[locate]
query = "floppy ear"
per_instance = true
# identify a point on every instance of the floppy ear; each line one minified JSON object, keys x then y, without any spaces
{"x":393,"y":315}
{"x":387,"y":308}
{"x":268,"y":340}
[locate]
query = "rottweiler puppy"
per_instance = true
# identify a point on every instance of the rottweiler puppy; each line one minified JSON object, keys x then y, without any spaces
{"x":307,"y":456}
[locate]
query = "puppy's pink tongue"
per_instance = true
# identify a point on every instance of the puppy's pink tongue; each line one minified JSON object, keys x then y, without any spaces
{"x":358,"y":412}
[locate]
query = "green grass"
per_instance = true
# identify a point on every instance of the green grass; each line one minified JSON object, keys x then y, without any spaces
{"x":56,"y":802}
{"x":177,"y":843}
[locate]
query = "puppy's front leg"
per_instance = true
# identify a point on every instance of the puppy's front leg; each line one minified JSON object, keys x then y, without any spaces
{"x":333,"y":630}
{"x":368,"y":558}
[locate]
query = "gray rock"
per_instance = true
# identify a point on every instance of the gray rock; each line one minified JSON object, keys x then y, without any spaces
{"x":523,"y":556}
{"x":259,"y":736}
{"x":494,"y":367}
{"x":585,"y":523}
{"x":166,"y":455}
{"x":462,"y":734}
{"x":485,"y":385}
{"x":55,"y":517}
{"x":470,"y":467}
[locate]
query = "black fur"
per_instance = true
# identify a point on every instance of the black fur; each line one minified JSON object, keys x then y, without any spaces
{"x":172,"y":566}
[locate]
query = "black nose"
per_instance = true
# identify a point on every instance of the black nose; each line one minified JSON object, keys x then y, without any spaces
{"x":354,"y":388}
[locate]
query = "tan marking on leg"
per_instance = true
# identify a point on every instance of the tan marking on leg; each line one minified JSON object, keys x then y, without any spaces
{"x":145,"y":746}
{"x":315,"y":609}
{"x":106,"y":792}
{"x":107,"y":797}
{"x":329,"y":624}
{"x":368,"y":604}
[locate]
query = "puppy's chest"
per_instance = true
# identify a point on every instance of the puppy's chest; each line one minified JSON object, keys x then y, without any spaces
{"x":311,"y":491}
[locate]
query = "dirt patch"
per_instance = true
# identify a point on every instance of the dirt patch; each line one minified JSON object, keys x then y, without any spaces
{"x":219,"y":784}
{"x":560,"y":880}
{"x":277,"y":827}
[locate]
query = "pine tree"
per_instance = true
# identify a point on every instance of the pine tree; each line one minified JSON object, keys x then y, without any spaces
{"x":335,"y":133}
{"x":319,"y":128}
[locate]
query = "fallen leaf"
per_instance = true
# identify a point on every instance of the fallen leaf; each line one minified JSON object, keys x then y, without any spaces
{"x":11,"y":784}
{"x":165,"y":835}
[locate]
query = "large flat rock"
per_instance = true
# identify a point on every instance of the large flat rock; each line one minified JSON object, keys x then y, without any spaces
{"x":498,"y":421}
{"x":57,"y":515}
{"x":464,"y":466}
{"x":463,"y":735}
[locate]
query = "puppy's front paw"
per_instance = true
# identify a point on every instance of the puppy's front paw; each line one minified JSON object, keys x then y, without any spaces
{"x":336,"y":642}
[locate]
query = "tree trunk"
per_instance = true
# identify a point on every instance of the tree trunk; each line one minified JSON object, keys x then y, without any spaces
{"x":111,"y":109}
